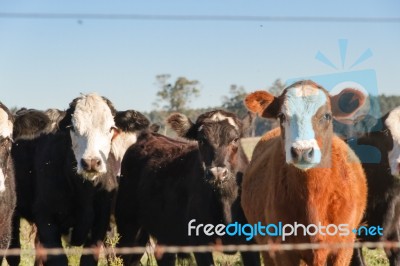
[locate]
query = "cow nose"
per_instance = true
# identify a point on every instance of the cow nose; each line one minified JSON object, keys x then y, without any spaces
{"x":219,"y":173}
{"x":92,"y":164}
{"x":303,"y":154}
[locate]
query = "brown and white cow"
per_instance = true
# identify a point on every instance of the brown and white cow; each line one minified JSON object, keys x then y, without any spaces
{"x":302,"y":173}
{"x":7,"y":183}
{"x":66,"y":170}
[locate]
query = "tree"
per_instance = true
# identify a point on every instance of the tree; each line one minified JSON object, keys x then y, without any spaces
{"x":277,"y":87}
{"x":234,"y":102}
{"x":178,"y":95}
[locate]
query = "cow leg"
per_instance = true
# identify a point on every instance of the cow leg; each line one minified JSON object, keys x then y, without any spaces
{"x":5,"y":238}
{"x":393,"y":254}
{"x":282,"y":258}
{"x":15,"y":240}
{"x":204,"y":259}
{"x":358,"y":258}
{"x":342,"y":257}
{"x":50,"y":237}
{"x":251,"y":258}
{"x":102,"y":214}
{"x":167,"y":259}
{"x":131,"y":235}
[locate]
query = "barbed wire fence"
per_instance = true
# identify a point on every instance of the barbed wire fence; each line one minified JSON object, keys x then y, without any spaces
{"x":159,"y":250}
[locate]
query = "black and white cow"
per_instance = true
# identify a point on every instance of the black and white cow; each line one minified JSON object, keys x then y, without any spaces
{"x":72,"y":164}
{"x":165,"y":183}
{"x":379,"y":151}
{"x":7,"y":183}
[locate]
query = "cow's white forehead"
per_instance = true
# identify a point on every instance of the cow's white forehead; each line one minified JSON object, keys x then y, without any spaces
{"x":218,"y":116}
{"x":393,"y":123}
{"x":92,"y":112}
{"x":6,"y":126}
{"x":303,"y":101}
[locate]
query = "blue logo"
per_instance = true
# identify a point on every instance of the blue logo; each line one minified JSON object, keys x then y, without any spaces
{"x":278,"y":230}
{"x":363,"y":80}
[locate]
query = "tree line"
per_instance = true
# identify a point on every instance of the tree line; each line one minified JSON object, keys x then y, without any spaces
{"x":176,"y":97}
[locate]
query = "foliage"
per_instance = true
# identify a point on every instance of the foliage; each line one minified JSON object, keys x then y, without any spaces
{"x":277,"y":87}
{"x":111,"y":242}
{"x":388,"y":103}
{"x":177,"y":95}
{"x":235,"y":101}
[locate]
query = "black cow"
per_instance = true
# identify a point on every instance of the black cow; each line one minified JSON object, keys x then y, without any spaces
{"x":165,"y":183}
{"x":379,"y":151}
{"x":7,"y":182}
{"x":70,"y":165}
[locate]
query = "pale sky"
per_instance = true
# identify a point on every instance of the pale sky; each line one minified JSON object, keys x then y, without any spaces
{"x":46,"y":62}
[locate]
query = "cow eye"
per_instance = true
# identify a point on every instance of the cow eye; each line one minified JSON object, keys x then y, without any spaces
{"x":235,"y":140}
{"x":327,"y":117}
{"x":70,"y":127}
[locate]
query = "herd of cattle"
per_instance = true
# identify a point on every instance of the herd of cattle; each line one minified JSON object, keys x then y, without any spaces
{"x":69,"y":171}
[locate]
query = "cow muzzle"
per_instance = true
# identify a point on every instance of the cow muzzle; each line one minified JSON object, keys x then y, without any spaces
{"x":217,"y":174}
{"x":91,"y":166}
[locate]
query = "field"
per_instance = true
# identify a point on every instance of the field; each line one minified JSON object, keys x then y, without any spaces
{"x":373,"y":257}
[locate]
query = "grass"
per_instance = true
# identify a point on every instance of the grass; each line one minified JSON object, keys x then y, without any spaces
{"x":375,"y":257}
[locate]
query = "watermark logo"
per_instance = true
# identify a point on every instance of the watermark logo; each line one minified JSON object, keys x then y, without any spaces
{"x":279,"y":230}
{"x":363,"y":80}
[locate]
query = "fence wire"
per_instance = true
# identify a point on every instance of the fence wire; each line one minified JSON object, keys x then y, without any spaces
{"x":161,"y":249}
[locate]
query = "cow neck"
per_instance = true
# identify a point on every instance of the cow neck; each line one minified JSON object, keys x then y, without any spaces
{"x":310,"y":188}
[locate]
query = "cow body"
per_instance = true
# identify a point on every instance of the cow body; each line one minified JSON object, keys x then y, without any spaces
{"x":302,"y":173}
{"x":383,"y":208}
{"x":7,"y":182}
{"x":72,"y":171}
{"x":166,"y":183}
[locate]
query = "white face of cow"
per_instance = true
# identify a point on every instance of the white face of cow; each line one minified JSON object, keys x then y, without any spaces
{"x":6,"y":129}
{"x":93,"y":129}
{"x":393,"y":124}
{"x":299,"y":107}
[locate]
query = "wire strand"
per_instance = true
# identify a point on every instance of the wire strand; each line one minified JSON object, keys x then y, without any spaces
{"x":92,"y":16}
{"x":160,"y":249}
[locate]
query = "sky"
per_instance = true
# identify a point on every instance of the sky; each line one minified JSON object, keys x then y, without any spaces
{"x":45,"y":63}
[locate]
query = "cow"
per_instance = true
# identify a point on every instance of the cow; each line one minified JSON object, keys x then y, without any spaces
{"x":166,"y":183}
{"x":379,"y":151}
{"x":301,"y":173}
{"x":7,"y":181}
{"x":72,"y":163}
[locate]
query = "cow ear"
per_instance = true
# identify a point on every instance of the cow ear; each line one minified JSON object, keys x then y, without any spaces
{"x":347,"y":102}
{"x":154,"y":127}
{"x":180,"y":123}
{"x":130,"y":120}
{"x":262,"y":103}
{"x":30,"y":124}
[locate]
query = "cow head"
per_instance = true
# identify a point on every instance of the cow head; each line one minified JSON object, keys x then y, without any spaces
{"x":218,"y":135}
{"x":129,"y":124}
{"x":90,"y":122}
{"x":305,"y":111}
{"x":6,"y":130}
